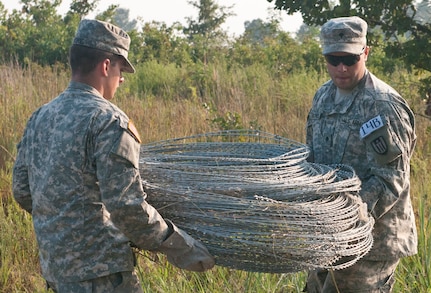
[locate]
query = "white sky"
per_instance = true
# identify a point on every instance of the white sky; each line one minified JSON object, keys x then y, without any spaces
{"x":169,"y":11}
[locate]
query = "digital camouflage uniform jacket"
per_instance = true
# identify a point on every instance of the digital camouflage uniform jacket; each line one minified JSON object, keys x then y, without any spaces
{"x":77,"y":173}
{"x":372,"y":130}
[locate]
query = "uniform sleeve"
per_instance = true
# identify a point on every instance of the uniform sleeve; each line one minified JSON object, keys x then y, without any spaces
{"x":117,"y":160}
{"x":309,"y":139}
{"x":309,"y":127}
{"x":20,"y":178}
{"x":389,"y":150}
{"x":20,"y":183}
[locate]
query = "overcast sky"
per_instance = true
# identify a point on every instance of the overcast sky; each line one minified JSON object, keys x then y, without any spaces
{"x":169,"y":11}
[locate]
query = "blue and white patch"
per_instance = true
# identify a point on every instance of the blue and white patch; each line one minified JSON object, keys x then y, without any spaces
{"x":370,"y":126}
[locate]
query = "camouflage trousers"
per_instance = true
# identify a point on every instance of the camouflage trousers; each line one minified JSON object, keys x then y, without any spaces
{"x":115,"y":283}
{"x":365,"y":276}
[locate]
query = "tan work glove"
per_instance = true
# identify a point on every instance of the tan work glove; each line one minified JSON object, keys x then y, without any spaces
{"x":185,"y":252}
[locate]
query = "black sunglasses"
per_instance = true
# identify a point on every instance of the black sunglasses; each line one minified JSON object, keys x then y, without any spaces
{"x":347,"y":60}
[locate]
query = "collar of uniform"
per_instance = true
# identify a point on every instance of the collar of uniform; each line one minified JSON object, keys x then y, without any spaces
{"x":75,"y":85}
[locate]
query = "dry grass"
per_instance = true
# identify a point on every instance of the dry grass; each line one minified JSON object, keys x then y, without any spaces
{"x":244,"y":97}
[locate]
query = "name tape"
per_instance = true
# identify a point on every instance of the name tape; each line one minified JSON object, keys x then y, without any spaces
{"x":370,"y":126}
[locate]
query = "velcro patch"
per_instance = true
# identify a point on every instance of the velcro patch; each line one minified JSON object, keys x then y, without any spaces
{"x":379,"y":145}
{"x":132,"y":129}
{"x":370,"y":126}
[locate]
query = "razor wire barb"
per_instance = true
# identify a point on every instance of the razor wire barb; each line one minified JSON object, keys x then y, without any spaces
{"x":256,"y":202}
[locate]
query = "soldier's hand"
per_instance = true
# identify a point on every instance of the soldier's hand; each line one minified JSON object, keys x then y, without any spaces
{"x":185,"y":252}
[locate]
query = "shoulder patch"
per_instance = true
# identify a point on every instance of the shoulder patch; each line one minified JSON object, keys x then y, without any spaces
{"x":132,"y":129}
{"x":370,"y":126}
{"x":381,"y":142}
{"x":379,"y":145}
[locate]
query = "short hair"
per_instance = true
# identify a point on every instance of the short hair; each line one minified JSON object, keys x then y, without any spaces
{"x":84,"y":59}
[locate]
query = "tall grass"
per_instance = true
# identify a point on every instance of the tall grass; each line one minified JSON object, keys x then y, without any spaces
{"x":179,"y":102}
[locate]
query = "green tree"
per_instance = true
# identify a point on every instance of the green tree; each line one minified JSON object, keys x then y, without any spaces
{"x":277,"y":51}
{"x":121,"y":18}
{"x":206,"y":31}
{"x":82,"y":7}
{"x":12,"y":34}
{"x":157,"y":41}
{"x":36,"y":32}
{"x":257,"y":30}
{"x":307,"y":32}
{"x":108,"y":15}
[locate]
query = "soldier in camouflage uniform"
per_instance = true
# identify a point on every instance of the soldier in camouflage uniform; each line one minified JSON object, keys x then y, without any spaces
{"x":359,"y":120}
{"x":77,"y":173}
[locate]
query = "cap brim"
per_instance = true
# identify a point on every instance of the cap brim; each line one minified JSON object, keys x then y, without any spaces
{"x":129,"y":68}
{"x":354,"y":49}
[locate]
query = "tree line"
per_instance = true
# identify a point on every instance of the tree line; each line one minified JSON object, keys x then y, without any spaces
{"x":400,"y":34}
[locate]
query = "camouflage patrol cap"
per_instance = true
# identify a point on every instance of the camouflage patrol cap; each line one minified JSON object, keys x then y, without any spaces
{"x":344,"y":34}
{"x":104,"y":36}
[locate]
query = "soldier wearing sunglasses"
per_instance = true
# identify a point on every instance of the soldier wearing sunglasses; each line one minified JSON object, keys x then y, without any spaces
{"x":358,"y":120}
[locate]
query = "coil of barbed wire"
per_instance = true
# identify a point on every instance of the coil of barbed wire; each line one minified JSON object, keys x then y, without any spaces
{"x":256,"y":202}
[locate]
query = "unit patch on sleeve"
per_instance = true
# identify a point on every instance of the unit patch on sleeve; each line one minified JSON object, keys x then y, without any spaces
{"x":379,"y":145}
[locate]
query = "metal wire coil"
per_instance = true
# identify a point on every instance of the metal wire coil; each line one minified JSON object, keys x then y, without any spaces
{"x":253,"y":199}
